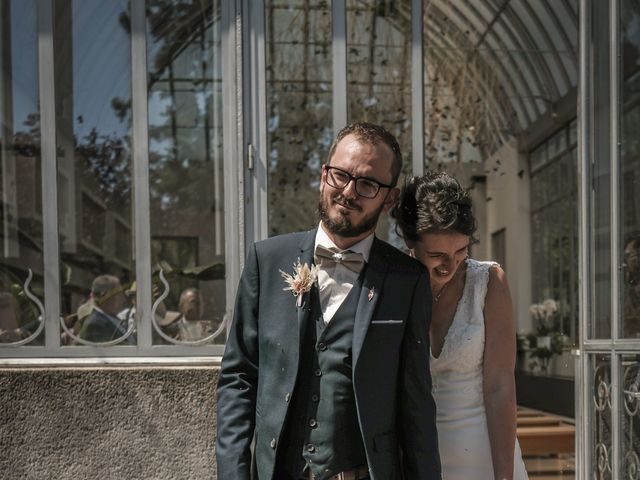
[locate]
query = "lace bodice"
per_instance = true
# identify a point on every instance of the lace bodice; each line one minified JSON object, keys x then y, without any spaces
{"x":463,"y":347}
{"x":465,"y":449}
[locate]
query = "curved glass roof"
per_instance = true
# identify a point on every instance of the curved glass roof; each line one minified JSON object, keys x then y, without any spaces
{"x":520,"y":56}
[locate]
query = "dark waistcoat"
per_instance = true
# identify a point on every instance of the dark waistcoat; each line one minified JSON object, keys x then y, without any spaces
{"x":322,"y":429}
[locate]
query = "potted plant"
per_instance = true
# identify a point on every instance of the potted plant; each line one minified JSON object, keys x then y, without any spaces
{"x":545,"y":316}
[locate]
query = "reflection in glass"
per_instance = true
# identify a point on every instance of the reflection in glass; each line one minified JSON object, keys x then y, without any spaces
{"x":600,"y":409}
{"x":20,"y":177}
{"x":554,"y":201}
{"x":630,"y":169}
{"x":379,"y":76}
{"x":631,"y":416}
{"x":93,"y":133}
{"x":185,"y":167}
{"x":299,"y":109}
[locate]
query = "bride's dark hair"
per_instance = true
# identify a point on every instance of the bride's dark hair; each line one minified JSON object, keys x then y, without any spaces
{"x":433,"y":202}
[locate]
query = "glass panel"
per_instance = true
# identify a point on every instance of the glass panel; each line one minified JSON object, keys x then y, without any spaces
{"x":93,"y":134}
{"x":21,"y":319}
{"x":482,"y":84}
{"x":630,"y":169}
{"x":600,"y":322}
{"x":630,"y":416}
{"x":573,"y":133}
{"x":555,"y":235}
{"x":538,"y":157}
{"x":299,"y":109}
{"x":600,"y":411}
{"x":379,"y":75}
{"x":186,"y":170}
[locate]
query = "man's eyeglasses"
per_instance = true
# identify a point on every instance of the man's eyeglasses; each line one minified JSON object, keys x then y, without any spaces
{"x":365,"y":187}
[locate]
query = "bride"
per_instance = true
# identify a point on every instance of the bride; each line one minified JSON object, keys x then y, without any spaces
{"x":472,"y":333}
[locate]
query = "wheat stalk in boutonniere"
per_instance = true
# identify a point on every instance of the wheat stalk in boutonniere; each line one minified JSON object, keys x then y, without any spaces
{"x":301,"y":281}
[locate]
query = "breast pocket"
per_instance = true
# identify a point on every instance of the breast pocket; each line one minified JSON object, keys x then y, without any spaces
{"x":387,"y":322}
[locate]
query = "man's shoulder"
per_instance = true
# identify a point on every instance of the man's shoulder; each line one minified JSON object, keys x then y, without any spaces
{"x":398,"y":260}
{"x":284,"y":241}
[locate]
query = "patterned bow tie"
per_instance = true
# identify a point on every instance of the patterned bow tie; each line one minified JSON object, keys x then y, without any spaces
{"x":328,"y":257}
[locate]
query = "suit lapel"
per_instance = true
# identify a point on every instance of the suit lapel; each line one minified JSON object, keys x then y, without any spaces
{"x":369,"y":294}
{"x":305,"y":256}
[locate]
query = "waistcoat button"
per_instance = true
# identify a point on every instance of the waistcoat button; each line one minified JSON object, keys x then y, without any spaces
{"x":287,"y":397}
{"x":318,"y":372}
{"x":313,"y":423}
{"x":322,"y":346}
{"x":311,"y":448}
{"x":273,"y":443}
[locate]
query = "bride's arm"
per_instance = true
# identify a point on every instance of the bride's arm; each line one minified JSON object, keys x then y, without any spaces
{"x":498,"y":373}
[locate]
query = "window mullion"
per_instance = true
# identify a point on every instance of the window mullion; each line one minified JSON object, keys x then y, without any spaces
{"x":417,"y":87}
{"x":46,"y":82}
{"x":141,"y":173}
{"x":339,"y":28}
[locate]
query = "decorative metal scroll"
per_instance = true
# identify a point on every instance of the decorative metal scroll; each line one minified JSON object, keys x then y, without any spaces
{"x":39,"y":306}
{"x":631,"y":394}
{"x":175,"y":341}
{"x":110,"y":343}
{"x":602,"y":403}
{"x":603,"y":456}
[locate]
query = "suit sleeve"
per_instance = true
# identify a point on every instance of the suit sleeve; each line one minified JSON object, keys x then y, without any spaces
{"x":238,"y":380}
{"x":419,"y":438}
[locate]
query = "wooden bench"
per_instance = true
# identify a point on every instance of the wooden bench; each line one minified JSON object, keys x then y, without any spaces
{"x":540,"y":433}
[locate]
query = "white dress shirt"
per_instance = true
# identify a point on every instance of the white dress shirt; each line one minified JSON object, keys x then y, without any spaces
{"x":335,"y":282}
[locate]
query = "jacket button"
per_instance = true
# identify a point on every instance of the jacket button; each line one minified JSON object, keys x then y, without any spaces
{"x":287,"y":397}
{"x":313,"y":423}
{"x":273,"y":443}
{"x":322,"y":347}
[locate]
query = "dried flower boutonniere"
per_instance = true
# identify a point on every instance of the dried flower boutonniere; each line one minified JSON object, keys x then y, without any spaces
{"x":302,"y":280}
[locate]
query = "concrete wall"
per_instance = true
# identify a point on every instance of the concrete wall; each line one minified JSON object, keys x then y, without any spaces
{"x":107,"y":423}
{"x":509,"y":207}
{"x":503,"y":201}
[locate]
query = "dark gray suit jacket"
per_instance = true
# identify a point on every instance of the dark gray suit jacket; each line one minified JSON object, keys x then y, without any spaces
{"x":391,"y":378}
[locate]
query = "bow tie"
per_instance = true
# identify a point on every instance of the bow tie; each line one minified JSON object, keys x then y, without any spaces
{"x":328,"y":257}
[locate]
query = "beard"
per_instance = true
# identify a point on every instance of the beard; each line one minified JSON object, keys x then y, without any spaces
{"x":343,"y":226}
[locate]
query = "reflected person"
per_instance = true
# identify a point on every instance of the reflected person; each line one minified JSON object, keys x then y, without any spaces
{"x":10,"y":330}
{"x":187,"y":324}
{"x":102,"y":324}
{"x":632,"y":287}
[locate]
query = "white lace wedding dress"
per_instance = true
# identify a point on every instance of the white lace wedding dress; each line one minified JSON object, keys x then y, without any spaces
{"x":465,"y":451}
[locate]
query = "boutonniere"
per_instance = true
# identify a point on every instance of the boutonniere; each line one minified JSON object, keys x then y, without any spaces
{"x":301,"y":281}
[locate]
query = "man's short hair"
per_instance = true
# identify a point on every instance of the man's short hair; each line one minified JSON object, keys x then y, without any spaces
{"x":371,"y":134}
{"x":103,"y":284}
{"x":188,"y":291}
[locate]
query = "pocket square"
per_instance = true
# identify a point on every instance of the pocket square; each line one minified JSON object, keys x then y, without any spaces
{"x":387,"y":322}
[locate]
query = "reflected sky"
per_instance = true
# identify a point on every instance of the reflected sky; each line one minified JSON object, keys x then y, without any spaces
{"x":24,"y":60}
{"x":101,"y":62}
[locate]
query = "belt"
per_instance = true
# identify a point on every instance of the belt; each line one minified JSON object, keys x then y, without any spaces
{"x":358,"y":473}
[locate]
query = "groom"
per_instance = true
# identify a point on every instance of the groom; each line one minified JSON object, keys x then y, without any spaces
{"x":329,"y":371}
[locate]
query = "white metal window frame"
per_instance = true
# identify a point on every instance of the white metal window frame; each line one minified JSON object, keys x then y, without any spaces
{"x":52,"y":353}
{"x":615,"y":347}
{"x":245,"y":169}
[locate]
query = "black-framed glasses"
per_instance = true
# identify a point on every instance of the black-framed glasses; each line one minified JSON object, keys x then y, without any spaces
{"x":365,"y":187}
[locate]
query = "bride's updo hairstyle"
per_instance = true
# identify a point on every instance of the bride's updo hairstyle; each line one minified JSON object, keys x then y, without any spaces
{"x":433,"y":203}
